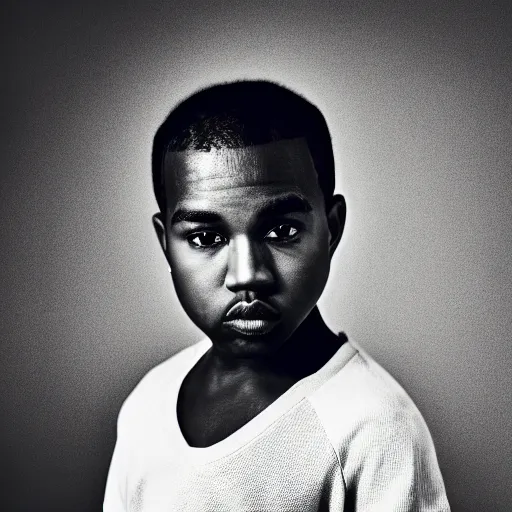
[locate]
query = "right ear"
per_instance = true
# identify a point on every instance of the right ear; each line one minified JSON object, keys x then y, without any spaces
{"x":159,"y":225}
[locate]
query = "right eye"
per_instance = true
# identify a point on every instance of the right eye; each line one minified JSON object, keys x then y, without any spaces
{"x":205,"y":240}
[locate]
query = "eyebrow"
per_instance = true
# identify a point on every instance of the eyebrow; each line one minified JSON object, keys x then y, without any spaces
{"x":199,"y":216}
{"x":290,"y":203}
{"x":283,"y":205}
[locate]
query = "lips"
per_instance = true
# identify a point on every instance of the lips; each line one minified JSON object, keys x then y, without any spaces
{"x":252,"y":318}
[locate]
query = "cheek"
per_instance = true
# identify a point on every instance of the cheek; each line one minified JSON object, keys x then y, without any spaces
{"x":194,"y":295}
{"x":196,"y":279}
{"x":305,"y":271}
{"x":194,"y":266}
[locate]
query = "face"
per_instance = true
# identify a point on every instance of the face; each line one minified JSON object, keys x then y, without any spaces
{"x":248,"y":240}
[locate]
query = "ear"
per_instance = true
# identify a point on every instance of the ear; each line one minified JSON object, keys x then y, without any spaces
{"x":159,"y":225}
{"x":336,"y":216}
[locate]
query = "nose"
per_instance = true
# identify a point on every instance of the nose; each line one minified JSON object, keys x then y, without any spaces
{"x":248,"y":266}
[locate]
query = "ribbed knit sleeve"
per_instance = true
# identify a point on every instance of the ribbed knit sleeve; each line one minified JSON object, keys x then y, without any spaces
{"x":392,"y":466}
{"x":385,"y":449}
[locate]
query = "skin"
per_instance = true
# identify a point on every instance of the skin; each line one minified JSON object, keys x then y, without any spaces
{"x":248,"y":224}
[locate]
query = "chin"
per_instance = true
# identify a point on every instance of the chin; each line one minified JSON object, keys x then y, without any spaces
{"x":248,"y":345}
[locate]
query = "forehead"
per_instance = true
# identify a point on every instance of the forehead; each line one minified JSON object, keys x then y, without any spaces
{"x":240,"y":174}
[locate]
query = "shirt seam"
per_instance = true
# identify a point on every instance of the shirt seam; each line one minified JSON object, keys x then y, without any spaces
{"x":333,"y":448}
{"x":331,"y":444}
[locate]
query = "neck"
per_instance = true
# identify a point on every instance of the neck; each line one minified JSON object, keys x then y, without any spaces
{"x":309,"y":347}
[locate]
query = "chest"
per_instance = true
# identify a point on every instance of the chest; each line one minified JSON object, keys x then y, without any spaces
{"x":208,"y":415}
{"x":290,"y":466}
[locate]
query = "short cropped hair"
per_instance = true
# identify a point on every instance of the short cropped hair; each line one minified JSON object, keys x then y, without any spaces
{"x":239,"y":114}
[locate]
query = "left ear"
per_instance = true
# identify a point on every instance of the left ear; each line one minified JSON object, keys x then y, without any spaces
{"x":159,"y":225}
{"x":336,"y":215}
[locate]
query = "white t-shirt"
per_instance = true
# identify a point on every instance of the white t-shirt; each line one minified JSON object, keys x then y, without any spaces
{"x":346,"y":438}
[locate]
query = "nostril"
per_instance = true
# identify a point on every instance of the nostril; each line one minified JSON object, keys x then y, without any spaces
{"x":258,"y":280}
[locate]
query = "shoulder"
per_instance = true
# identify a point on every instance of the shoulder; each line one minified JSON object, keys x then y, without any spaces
{"x":364,"y":407}
{"x":383,"y":445}
{"x":148,"y":395}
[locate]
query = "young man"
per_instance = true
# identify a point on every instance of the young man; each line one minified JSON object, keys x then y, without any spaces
{"x":272,"y":411}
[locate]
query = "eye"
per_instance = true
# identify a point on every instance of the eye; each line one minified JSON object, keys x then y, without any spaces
{"x":282,"y":233}
{"x":205,"y":240}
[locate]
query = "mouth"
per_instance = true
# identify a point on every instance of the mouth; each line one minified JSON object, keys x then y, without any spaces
{"x":251,"y":327}
{"x":252,"y":319}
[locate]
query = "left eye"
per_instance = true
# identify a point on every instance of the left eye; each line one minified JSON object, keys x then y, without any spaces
{"x":205,"y":240}
{"x":284,"y":232}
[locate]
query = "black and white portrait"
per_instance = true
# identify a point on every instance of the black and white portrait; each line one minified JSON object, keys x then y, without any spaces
{"x":256,"y":256}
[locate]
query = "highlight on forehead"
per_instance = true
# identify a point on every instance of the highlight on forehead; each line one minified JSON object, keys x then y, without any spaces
{"x":277,"y":159}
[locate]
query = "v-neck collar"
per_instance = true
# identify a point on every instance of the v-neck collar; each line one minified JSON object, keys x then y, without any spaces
{"x":284,"y":403}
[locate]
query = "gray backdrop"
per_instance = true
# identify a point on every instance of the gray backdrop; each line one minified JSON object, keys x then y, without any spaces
{"x":418,"y":98}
